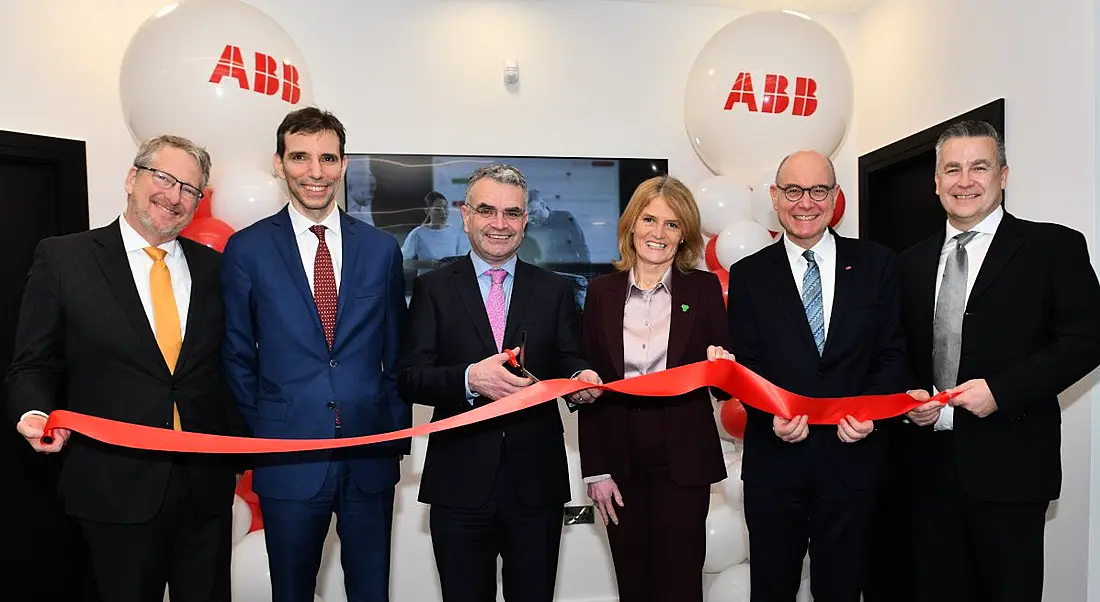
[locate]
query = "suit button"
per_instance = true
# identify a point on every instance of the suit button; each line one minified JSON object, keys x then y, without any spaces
{"x":330,"y":404}
{"x":175,"y":387}
{"x":821,"y":375}
{"x":333,"y":363}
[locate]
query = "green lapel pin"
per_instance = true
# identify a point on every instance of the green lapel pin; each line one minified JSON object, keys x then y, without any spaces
{"x":684,"y":308}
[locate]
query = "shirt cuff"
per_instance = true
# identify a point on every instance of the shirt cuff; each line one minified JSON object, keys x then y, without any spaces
{"x":466,"y":381}
{"x":596,"y":478}
{"x":33,"y":413}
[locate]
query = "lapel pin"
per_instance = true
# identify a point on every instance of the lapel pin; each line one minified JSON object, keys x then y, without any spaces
{"x":684,"y":308}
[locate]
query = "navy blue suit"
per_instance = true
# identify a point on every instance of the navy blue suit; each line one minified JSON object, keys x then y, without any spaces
{"x":289,"y":384}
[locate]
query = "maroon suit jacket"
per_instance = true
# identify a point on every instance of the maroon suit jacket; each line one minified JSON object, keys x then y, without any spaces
{"x":694,"y":449}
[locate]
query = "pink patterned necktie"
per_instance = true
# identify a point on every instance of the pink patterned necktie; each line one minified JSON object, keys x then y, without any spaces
{"x":494,"y":305}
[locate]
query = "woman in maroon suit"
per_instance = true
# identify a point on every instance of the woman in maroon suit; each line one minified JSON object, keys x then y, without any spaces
{"x":649,"y":461}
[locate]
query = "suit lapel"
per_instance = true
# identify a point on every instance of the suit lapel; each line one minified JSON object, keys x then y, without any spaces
{"x":785,"y":292}
{"x":1005,"y":243}
{"x":680,"y":323}
{"x":282,"y":233}
{"x":349,"y":244}
{"x":465,"y":282}
{"x":111,"y":257}
{"x":201,"y":280}
{"x":844,"y":268}
{"x":613,"y":305}
{"x":517,"y":305}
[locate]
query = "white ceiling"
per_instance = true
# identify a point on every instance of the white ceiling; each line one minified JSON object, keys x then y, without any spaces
{"x":847,"y":6}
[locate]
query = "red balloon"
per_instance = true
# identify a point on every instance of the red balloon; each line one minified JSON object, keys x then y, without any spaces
{"x":710,"y":254}
{"x":734,"y":418}
{"x":838,"y":212}
{"x":208,"y":231}
{"x":724,"y":279}
{"x":203,"y":209}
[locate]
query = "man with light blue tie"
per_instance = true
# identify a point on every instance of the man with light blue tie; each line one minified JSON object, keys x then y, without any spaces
{"x":818,"y":315}
{"x":497,"y":487}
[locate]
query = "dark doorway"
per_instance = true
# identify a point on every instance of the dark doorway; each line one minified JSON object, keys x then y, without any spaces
{"x":898,"y":207}
{"x":44,"y":192}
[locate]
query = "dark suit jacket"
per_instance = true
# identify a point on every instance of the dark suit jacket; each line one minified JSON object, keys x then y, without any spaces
{"x":1031,"y":330}
{"x":864,"y":354}
{"x":693,"y":447}
{"x":448,"y":329}
{"x":84,"y":344}
{"x":288,"y":383}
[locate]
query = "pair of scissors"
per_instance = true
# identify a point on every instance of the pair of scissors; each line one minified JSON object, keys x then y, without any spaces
{"x":518,"y":362}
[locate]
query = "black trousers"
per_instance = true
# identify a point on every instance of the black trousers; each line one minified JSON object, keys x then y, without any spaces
{"x":971,"y":550}
{"x":660,"y":542}
{"x":184,"y":549}
{"x":822,"y":514}
{"x":467,"y":542}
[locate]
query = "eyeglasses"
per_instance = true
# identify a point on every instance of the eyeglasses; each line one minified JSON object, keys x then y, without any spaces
{"x":794,"y":192}
{"x":166,"y":181}
{"x":512,"y":214}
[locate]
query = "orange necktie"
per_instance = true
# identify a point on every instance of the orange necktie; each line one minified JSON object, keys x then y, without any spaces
{"x":166,"y":316}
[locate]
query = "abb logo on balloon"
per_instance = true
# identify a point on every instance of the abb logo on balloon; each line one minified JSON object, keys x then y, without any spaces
{"x":266,"y":80}
{"x":775,"y":99}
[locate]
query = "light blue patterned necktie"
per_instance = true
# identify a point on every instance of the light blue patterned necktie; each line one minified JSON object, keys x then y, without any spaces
{"x":811,"y":300}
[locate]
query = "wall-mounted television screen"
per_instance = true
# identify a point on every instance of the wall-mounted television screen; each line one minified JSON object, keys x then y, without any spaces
{"x":574,"y":206}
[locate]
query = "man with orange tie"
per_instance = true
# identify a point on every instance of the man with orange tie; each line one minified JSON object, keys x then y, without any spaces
{"x":314,"y":303}
{"x":125,"y":322}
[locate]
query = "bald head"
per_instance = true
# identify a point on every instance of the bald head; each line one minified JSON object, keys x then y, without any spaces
{"x":803,"y":161}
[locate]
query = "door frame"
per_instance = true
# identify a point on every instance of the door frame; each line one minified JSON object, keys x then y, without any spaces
{"x":71,"y":157}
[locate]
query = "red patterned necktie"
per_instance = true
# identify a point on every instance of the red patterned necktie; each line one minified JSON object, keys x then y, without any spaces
{"x":494,"y":305}
{"x":324,"y":285}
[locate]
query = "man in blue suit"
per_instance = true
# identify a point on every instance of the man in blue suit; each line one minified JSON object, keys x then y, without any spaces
{"x":314,"y":303}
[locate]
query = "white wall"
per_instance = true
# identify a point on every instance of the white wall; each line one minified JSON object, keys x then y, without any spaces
{"x":923,"y":61}
{"x":598,"y":78}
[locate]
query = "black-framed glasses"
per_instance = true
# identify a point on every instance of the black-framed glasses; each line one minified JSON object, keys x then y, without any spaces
{"x":166,"y":181}
{"x":512,"y":214}
{"x":794,"y":192}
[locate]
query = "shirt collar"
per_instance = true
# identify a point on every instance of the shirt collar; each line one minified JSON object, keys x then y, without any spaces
{"x":302,"y":224}
{"x":665,"y":282}
{"x":132,"y":241}
{"x":987,"y":226}
{"x":481,"y":266}
{"x":824,"y":250}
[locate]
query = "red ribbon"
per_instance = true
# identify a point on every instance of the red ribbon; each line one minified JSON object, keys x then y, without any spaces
{"x":731,"y":377}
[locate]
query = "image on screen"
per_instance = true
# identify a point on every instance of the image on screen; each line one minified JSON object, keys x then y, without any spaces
{"x":573,"y":207}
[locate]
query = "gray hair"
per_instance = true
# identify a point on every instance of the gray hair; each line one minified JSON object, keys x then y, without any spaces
{"x":150,"y":147}
{"x":972,"y":129}
{"x":508,"y":175}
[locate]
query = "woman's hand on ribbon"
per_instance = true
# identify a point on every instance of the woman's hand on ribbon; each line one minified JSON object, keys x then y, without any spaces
{"x":791,"y":430}
{"x":587,"y":395}
{"x":603,"y":493}
{"x":716,"y":352}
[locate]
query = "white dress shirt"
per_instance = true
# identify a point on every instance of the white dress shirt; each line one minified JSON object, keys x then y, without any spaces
{"x":140,"y":266}
{"x":825,"y":257}
{"x":976,"y":251}
{"x":308,"y":242}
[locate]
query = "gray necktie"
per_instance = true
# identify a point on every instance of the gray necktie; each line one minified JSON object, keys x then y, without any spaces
{"x":947,"y":324}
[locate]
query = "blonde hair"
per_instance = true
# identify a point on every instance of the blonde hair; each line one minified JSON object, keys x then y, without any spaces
{"x":682,"y":203}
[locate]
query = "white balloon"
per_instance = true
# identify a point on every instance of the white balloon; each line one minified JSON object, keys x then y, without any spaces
{"x":727,"y":536}
{"x":804,"y":592}
{"x":251,"y":573}
{"x":245,"y":195}
{"x":721,"y":200}
{"x":762,"y":211}
{"x":242,"y":518}
{"x":732,"y":585}
{"x":200,"y":69}
{"x":733,"y":489}
{"x":800,"y":97}
{"x":739,"y":240}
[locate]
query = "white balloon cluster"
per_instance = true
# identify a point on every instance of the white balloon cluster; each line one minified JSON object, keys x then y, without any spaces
{"x":764,"y":86}
{"x":223,"y":74}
